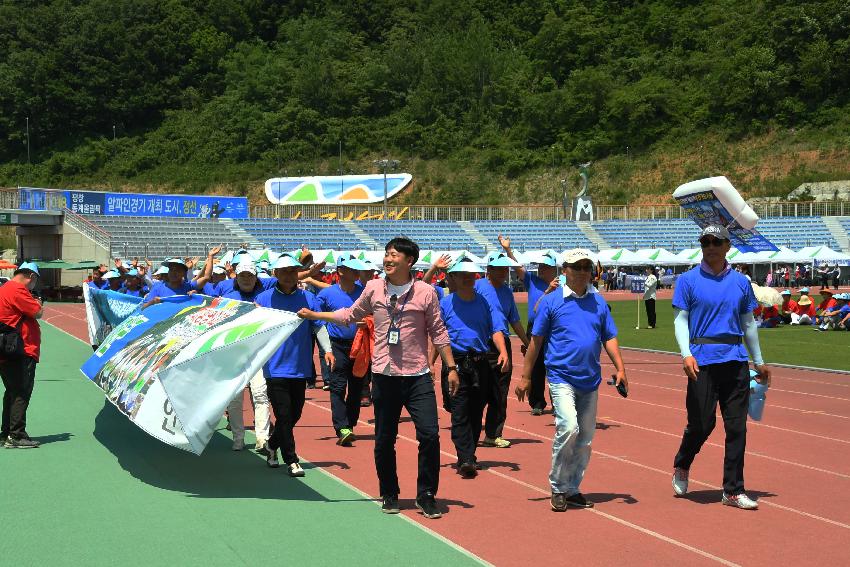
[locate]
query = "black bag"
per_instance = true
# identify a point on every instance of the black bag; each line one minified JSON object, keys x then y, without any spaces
{"x":11,"y":342}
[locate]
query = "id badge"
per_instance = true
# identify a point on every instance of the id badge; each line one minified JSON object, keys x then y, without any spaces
{"x":392,"y":336}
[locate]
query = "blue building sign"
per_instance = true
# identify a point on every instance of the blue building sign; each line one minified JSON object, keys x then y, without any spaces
{"x":137,"y":204}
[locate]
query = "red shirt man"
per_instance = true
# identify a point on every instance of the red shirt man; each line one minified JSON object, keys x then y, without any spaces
{"x":19,"y":310}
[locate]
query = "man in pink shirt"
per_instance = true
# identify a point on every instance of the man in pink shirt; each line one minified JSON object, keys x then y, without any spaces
{"x":407,"y":316}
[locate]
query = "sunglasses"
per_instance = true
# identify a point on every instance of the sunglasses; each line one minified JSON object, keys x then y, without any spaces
{"x":711,"y":242}
{"x":581,"y":267}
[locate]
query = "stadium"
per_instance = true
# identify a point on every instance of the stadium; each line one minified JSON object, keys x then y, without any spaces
{"x":328,"y":283}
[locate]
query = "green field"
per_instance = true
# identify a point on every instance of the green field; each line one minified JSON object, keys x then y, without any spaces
{"x":784,"y":345}
{"x":102,"y":492}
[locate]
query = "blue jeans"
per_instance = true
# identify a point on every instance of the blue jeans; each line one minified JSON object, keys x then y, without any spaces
{"x":575,"y":424}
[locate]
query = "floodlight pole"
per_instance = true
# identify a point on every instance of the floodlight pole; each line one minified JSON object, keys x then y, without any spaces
{"x":384,"y":164}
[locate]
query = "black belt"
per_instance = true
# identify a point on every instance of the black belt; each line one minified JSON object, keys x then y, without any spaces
{"x":717,"y":340}
{"x":339,"y":340}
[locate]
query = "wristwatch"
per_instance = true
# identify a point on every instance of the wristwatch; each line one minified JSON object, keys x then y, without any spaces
{"x":452,"y":367}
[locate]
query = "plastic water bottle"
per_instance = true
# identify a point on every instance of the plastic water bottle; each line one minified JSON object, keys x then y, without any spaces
{"x":757,"y":396}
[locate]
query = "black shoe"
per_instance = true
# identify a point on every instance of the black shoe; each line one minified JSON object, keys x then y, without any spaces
{"x":428,"y":506}
{"x":20,"y":443}
{"x":559,"y":502}
{"x":467,"y":470}
{"x":389,"y":505}
{"x":578,"y":501}
{"x":536,"y":411}
{"x":271,"y":457}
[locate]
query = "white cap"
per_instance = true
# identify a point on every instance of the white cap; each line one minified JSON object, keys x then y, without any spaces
{"x":218,"y":269}
{"x":577,"y":255}
{"x":246,"y":267}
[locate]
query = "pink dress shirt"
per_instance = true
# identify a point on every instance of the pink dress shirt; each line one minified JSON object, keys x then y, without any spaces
{"x":417,"y":319}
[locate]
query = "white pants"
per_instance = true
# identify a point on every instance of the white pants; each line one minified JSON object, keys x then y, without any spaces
{"x":261,"y":411}
{"x":803,"y":319}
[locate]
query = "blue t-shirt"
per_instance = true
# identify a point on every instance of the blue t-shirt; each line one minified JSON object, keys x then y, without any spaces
{"x":501,"y":297}
{"x":576,"y":328}
{"x":333,"y":298}
{"x":471,"y":324}
{"x":715,"y":305}
{"x":250,"y":297}
{"x":441,"y":291}
{"x":161,"y":289}
{"x":138,"y":292}
{"x":224,"y":287}
{"x":294,"y":358}
{"x":844,"y":310}
{"x":536,"y":287}
{"x":102,"y":285}
{"x":209,"y":289}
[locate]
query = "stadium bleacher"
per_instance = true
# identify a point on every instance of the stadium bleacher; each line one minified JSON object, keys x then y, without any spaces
{"x":157,"y":237}
{"x":534,"y":235}
{"x":160,"y":237}
{"x":677,"y":234}
{"x":285,"y":234}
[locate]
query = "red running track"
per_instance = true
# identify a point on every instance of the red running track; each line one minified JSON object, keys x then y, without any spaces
{"x":798,"y":465}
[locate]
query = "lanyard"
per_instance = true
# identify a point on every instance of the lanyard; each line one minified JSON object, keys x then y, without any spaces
{"x":396,"y":315}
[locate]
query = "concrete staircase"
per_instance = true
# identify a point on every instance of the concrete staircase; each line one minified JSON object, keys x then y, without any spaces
{"x":362,"y":235}
{"x":240,"y":234}
{"x":476,"y":235}
{"x":833,"y":224}
{"x":592,"y":235}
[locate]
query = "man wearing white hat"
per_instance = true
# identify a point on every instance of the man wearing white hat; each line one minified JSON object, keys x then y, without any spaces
{"x":288,"y":370}
{"x":345,"y":387}
{"x":175,"y":281}
{"x":113,"y":280}
{"x":247,"y":288}
{"x":20,"y":348}
{"x":578,"y":323}
{"x":495,"y":290}
{"x":133,"y":284}
{"x":714,"y":320}
{"x":472,"y":322}
{"x":537,"y":286}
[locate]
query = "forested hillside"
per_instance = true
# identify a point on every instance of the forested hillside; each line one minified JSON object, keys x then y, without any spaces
{"x":483,"y":100}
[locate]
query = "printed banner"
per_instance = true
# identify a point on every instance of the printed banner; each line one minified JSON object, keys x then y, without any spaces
{"x":133,"y":204}
{"x":105,"y":310}
{"x":336,"y":189}
{"x":173,"y":368}
{"x":715,"y":201}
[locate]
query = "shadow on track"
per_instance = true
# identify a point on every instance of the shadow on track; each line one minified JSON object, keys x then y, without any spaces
{"x":218,"y":473}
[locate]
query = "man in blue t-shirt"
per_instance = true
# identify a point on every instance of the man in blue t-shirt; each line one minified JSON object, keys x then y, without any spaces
{"x":713,"y":307}
{"x":546,"y":281}
{"x":577,"y":323}
{"x":472,"y":323}
{"x":345,"y":387}
{"x":247,"y":289}
{"x":175,"y":282}
{"x":496,"y":291}
{"x":133,"y":284}
{"x":288,"y":370}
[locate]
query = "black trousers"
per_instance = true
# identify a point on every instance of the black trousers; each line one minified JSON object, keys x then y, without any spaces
{"x":345,"y":387}
{"x":19,"y":380}
{"x":478,"y":387}
{"x":729,"y":384}
{"x":286,"y":397}
{"x":494,"y":421}
{"x":416,"y":394}
{"x":537,"y":393}
{"x":650,"y":311}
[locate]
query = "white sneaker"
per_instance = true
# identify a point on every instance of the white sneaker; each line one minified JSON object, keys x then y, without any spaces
{"x":238,"y":444}
{"x":680,"y":482}
{"x":741,"y":501}
{"x":271,"y":457}
{"x":295,"y":470}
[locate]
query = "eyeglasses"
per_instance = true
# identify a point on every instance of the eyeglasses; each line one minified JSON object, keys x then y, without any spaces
{"x":581,"y":267}
{"x":711,"y":242}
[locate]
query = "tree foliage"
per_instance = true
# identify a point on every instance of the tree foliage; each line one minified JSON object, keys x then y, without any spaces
{"x":263,"y":85}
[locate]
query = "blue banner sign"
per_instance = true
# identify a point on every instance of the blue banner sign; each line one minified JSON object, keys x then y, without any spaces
{"x":135,"y":204}
{"x":638,"y":284}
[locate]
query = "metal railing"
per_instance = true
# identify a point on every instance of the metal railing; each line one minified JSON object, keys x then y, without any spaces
{"x":88,"y":229}
{"x":531,"y":212}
